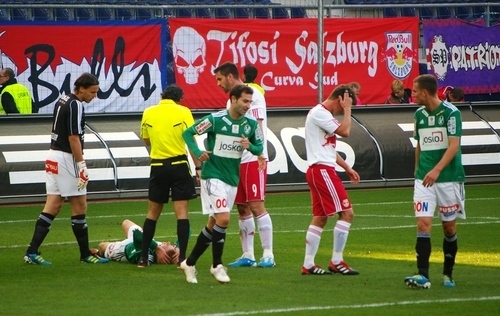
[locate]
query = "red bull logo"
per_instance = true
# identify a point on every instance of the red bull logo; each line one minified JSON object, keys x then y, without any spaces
{"x":330,"y":140}
{"x":399,"y":54}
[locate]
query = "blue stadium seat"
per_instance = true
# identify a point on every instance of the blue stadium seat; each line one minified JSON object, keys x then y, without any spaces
{"x":445,"y":13}
{"x":63,"y":14}
{"x":145,"y":14}
{"x":354,"y":1}
{"x":261,"y":13}
{"x":103,"y":14}
{"x":4,"y":15}
{"x":241,"y":13}
{"x":409,"y":12}
{"x":280,"y":13}
{"x":202,"y":13}
{"x":42,"y":14}
{"x":390,"y":12}
{"x":20,"y":14}
{"x":298,"y":13}
{"x":478,"y":12}
{"x":427,"y":13}
{"x":494,"y":15}
{"x":83,"y":14}
{"x":222,"y":13}
{"x":262,"y":1}
{"x":125,"y":14}
{"x":464,"y":13}
{"x":183,"y":13}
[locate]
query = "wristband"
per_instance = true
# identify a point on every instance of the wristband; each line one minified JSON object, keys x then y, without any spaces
{"x":197,"y":168}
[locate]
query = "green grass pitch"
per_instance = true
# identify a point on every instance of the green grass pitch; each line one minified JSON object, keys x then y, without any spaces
{"x":380,"y":245}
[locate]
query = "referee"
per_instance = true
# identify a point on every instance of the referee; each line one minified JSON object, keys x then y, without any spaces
{"x":170,"y":177}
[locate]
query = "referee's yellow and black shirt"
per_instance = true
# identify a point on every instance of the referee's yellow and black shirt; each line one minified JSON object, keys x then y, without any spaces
{"x":163,"y":124}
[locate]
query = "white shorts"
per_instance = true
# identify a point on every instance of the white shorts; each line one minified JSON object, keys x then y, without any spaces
{"x":449,"y":197}
{"x":115,"y":251}
{"x":216,"y":196}
{"x":61,"y":174}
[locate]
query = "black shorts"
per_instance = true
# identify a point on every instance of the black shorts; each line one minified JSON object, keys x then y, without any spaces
{"x":171,"y":177}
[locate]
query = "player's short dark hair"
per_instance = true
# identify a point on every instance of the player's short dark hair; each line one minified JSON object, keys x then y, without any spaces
{"x":239,"y":89}
{"x":427,"y":82}
{"x":250,"y":73}
{"x":173,"y":92}
{"x":85,"y":81}
{"x":340,"y":90}
{"x":228,"y":68}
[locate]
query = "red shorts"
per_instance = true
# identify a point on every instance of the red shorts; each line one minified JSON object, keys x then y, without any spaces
{"x":252,"y":185}
{"x":328,"y":193}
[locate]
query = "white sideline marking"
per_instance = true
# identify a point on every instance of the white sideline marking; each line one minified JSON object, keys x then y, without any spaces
{"x":356,"y":306}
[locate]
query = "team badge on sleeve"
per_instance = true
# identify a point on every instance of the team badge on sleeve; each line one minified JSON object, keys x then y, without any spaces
{"x":203,"y":126}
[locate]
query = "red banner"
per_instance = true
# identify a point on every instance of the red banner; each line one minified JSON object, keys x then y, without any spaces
{"x":372,"y":52}
{"x":126,"y":57}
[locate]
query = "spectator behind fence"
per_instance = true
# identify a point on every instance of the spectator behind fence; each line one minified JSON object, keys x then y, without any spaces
{"x":14,"y":97}
{"x":356,"y":88}
{"x":455,"y":95}
{"x":399,"y":94}
{"x":249,"y":75}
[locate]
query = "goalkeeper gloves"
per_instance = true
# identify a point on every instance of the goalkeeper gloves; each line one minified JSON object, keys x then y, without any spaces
{"x":83,"y":175}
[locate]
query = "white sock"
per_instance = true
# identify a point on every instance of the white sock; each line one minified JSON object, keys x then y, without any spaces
{"x":340,"y":233}
{"x":266,"y":234}
{"x":313,"y":237}
{"x":247,"y":233}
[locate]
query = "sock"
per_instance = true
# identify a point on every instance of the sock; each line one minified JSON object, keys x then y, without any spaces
{"x":148,"y":231}
{"x":423,"y":251}
{"x":340,"y":234}
{"x":81,"y":232}
{"x":313,"y":237}
{"x":204,"y":240}
{"x":183,"y":237}
{"x":247,"y":234}
{"x":42,"y":228}
{"x":266,"y":234}
{"x":218,"y":241}
{"x":450,"y":248}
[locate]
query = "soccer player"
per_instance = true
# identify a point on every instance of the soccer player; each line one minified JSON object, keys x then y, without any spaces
{"x":66,"y":171}
{"x":129,"y":249}
{"x":161,"y":128}
{"x":229,"y":132}
{"x":252,"y":185}
{"x":439,"y":178}
{"x":328,"y":193}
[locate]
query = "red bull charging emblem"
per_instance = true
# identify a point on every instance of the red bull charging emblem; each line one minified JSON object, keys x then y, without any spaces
{"x":399,"y":54}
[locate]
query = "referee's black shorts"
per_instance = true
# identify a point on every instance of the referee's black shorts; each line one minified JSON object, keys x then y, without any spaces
{"x":171,"y":177}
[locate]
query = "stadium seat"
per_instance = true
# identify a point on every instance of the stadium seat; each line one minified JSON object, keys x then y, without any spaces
{"x":261,"y":13}
{"x":241,"y":13}
{"x":298,"y":13}
{"x":125,"y":14}
{"x":20,"y":14}
{"x":104,"y":14}
{"x":427,"y":13}
{"x":354,"y":1}
{"x":83,"y":14}
{"x":63,"y":14}
{"x":478,"y":12}
{"x":4,"y":15}
{"x":464,"y":13}
{"x":445,"y":13}
{"x":390,"y":12}
{"x":494,"y":15}
{"x":145,"y":14}
{"x":262,"y":1}
{"x":222,"y":13}
{"x":202,"y":13}
{"x":42,"y":14}
{"x":280,"y":13}
{"x":409,"y":12}
{"x":183,"y":13}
